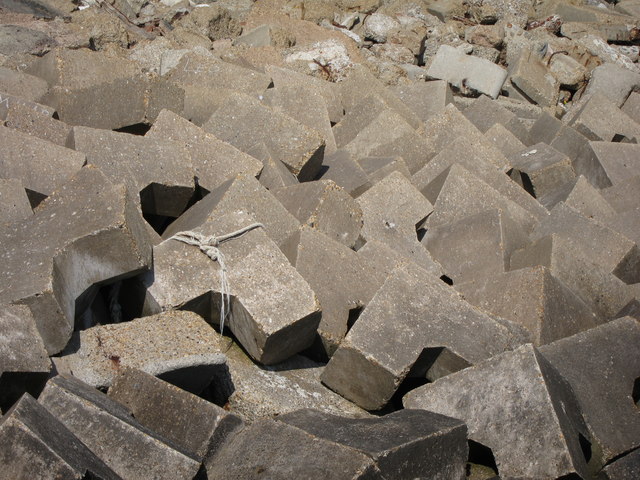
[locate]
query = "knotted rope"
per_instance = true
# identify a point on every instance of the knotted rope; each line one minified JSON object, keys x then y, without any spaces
{"x":208,"y":244}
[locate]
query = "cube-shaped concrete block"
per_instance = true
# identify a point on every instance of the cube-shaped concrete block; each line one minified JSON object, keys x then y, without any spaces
{"x":601,"y":119}
{"x":32,"y":120}
{"x":424,"y":98}
{"x":345,"y":172}
{"x":14,"y":202}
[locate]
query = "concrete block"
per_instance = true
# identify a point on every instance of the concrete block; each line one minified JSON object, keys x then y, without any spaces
{"x":632,"y":106}
{"x":411,"y":146}
{"x":196,"y":425}
{"x":274,"y":173}
{"x":585,"y":198}
{"x":614,"y":82}
{"x":601,"y":119}
{"x":174,"y":344}
{"x":14,"y":203}
{"x":329,"y":91}
{"x":462,"y":195}
{"x":467,"y":72}
{"x":7,"y":101}
{"x":27,"y":87}
{"x":24,"y":363}
{"x":484,"y":113}
{"x":378,"y":168}
{"x":92,"y":88}
{"x":243,"y":121}
{"x":243,"y":193}
{"x":619,"y":161}
{"x":533,"y":298}
{"x":514,"y":405}
{"x":601,"y":365}
{"x":257,"y":392}
{"x":213,"y":160}
{"x":624,"y":468}
{"x":541,"y":169}
{"x":160,"y":170}
{"x":37,"y":445}
{"x":425,"y":99}
{"x":621,"y":196}
{"x":324,"y":206}
{"x":53,"y":257}
{"x":112,"y":434}
{"x":396,"y":452}
{"x":392,"y":204}
{"x":273,"y":311}
{"x":345,"y":172}
{"x":41,"y":166}
{"x":27,"y":119}
{"x":504,"y":140}
{"x":475,"y":247}
{"x":439,"y":333}
{"x":602,"y":291}
{"x":340,"y":279}
{"x":533,"y":78}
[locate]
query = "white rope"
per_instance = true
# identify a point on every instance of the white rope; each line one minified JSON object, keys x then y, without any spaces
{"x":208,"y":244}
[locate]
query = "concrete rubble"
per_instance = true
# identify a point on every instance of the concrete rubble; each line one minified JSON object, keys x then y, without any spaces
{"x":344,"y":239}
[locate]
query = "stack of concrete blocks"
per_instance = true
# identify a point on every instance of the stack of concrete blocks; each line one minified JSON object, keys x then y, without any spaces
{"x":425,"y":268}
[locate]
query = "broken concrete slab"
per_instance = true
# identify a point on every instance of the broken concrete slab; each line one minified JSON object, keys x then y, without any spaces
{"x":533,"y":78}
{"x":475,"y":247}
{"x":37,"y":445}
{"x":396,"y":452}
{"x":160,"y":170}
{"x":433,"y":319}
{"x":393,"y":203}
{"x":24,"y":363}
{"x":341,"y":280}
{"x":101,"y":423}
{"x":198,"y":426}
{"x":602,"y":364}
{"x":467,"y":72}
{"x":174,"y":344}
{"x":509,"y":397}
{"x":601,"y":119}
{"x":273,"y":311}
{"x":324,"y":206}
{"x":298,"y":147}
{"x":542,"y":169}
{"x":42,"y":166}
{"x":243,"y":193}
{"x":462,"y":194}
{"x":533,"y":298}
{"x":213,"y":160}
{"x":93,"y":88}
{"x":27,"y":119}
{"x":424,"y":98}
{"x":106,"y":239}
{"x":14,"y":202}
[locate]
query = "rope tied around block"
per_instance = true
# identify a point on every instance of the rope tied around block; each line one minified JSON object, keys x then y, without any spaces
{"x":209,"y":245}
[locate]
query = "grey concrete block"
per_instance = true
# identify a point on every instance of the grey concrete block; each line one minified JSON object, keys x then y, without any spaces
{"x":243,"y":121}
{"x":613,"y":81}
{"x":41,"y":166}
{"x":485,"y":113}
{"x":467,"y":72}
{"x":37,"y":445}
{"x":241,"y":193}
{"x":511,"y":403}
{"x":475,"y":247}
{"x":198,"y":426}
{"x":602,"y":364}
{"x":542,"y":169}
{"x":533,"y":78}
{"x":112,"y":434}
{"x":533,"y":298}
{"x":213,"y":160}
{"x":632,"y":106}
{"x":424,"y":98}
{"x":586,"y":199}
{"x":324,"y":206}
{"x":273,"y":313}
{"x":274,"y":173}
{"x":504,"y":140}
{"x":345,"y":172}
{"x":104,"y":240}
{"x":27,"y":87}
{"x":619,"y":161}
{"x":159,"y":170}
{"x":30,"y":119}
{"x":378,"y":168}
{"x":624,"y":468}
{"x":601,"y":119}
{"x":14,"y":203}
{"x":415,"y":326}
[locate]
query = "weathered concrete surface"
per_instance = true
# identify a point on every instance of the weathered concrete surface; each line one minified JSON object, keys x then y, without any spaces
{"x":602,"y":364}
{"x":504,"y":140}
{"x":485,"y":113}
{"x":175,"y":344}
{"x":325,"y":206}
{"x":198,"y":426}
{"x":618,"y":160}
{"x":37,"y":445}
{"x":274,"y":313}
{"x":29,"y":119}
{"x":103,"y":425}
{"x":423,"y":315}
{"x":243,"y":121}
{"x":213,"y":160}
{"x":22,"y":85}
{"x":14,"y":203}
{"x":601,"y":119}
{"x":345,"y":172}
{"x":425,"y":98}
{"x":103,"y":240}
{"x":533,"y":298}
{"x":624,"y":468}
{"x":518,"y":405}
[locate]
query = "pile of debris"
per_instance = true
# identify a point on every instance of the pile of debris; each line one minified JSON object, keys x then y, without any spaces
{"x":372,"y":239}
